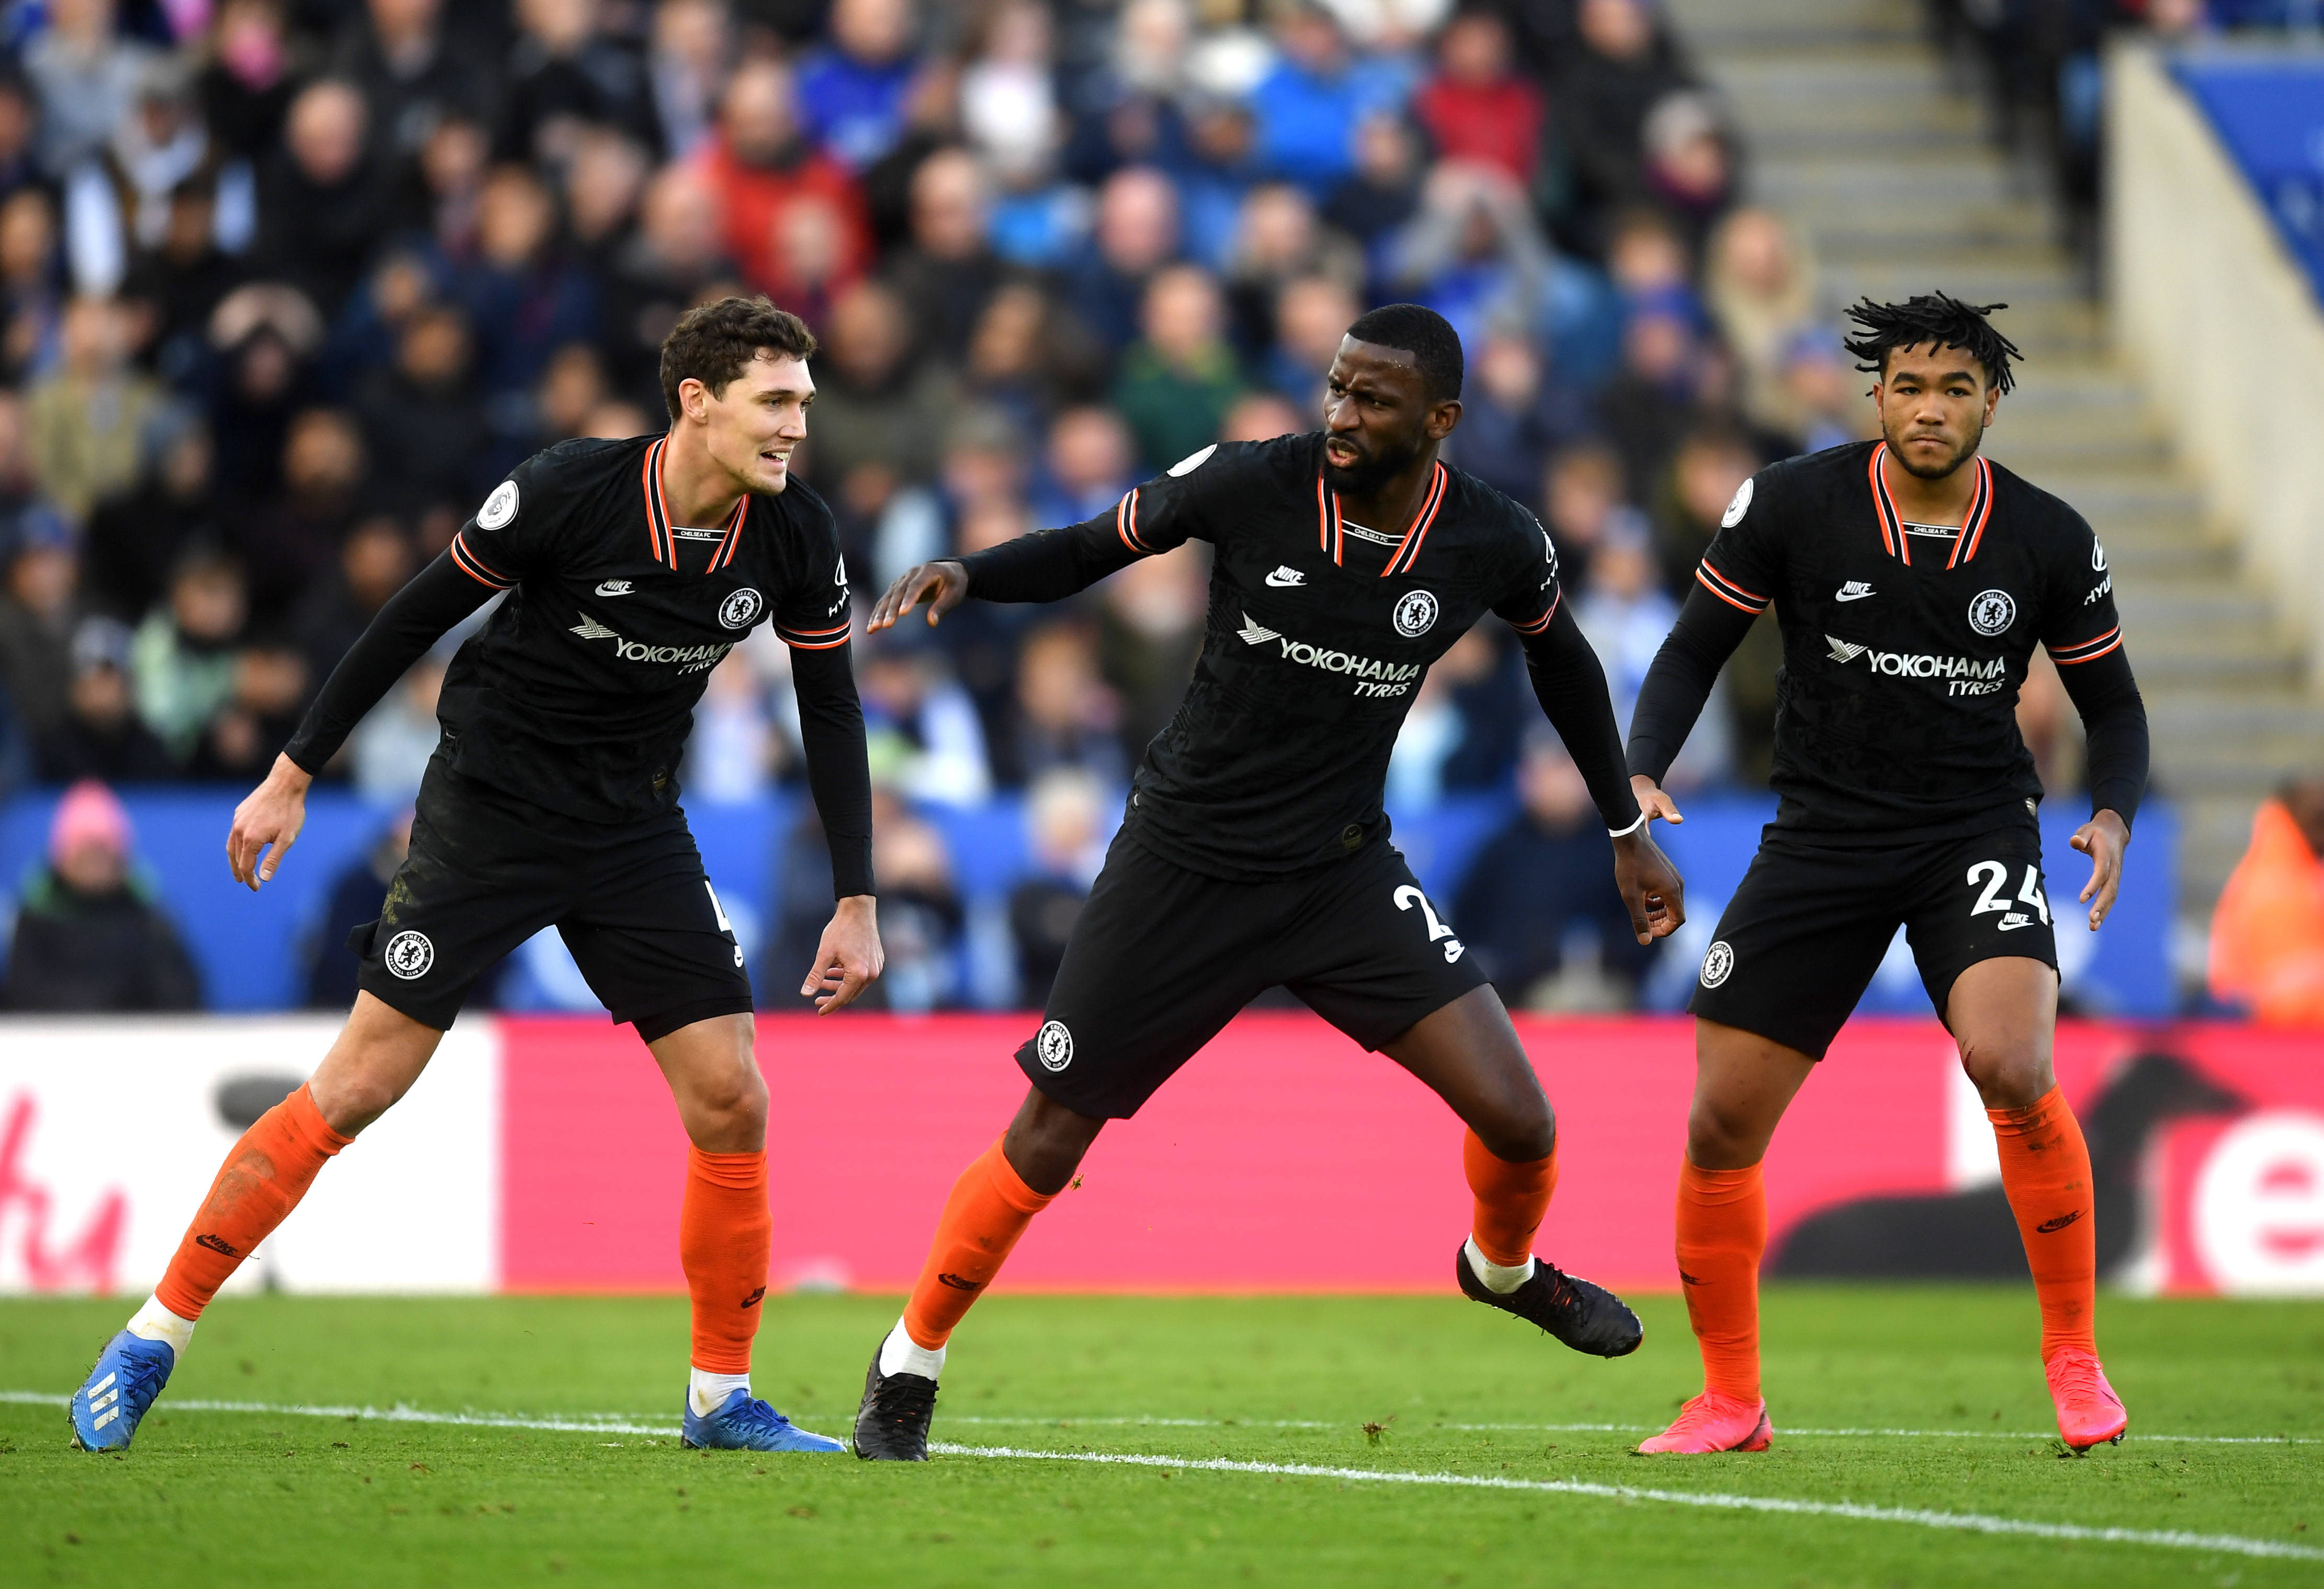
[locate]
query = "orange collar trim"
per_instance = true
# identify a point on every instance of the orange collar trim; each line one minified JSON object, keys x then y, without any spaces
{"x":657,"y":526}
{"x":1898,"y":544}
{"x":1331,"y":524}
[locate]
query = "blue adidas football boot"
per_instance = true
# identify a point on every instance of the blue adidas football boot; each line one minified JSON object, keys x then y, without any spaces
{"x":742,"y":1423}
{"x":129,"y":1373}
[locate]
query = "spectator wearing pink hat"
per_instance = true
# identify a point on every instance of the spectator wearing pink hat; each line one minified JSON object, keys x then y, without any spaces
{"x":89,"y":938}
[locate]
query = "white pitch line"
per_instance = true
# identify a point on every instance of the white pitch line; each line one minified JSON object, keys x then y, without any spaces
{"x":1960,"y":1522}
{"x":1069,"y":1421}
{"x":1963,"y":1521}
{"x":582,"y":1424}
{"x":627,"y":1423}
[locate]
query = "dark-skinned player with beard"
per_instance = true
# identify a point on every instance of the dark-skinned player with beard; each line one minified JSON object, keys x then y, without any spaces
{"x":1254,"y":853}
{"x":1912,"y":579}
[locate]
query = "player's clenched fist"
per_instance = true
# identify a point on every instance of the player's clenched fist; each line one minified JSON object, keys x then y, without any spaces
{"x":1651,"y":887}
{"x":944,"y":586}
{"x":849,"y":958}
{"x":272,"y":816}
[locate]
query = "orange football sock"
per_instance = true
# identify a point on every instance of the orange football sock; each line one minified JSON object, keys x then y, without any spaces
{"x":261,"y":1182}
{"x":725,"y":1238}
{"x":2045,"y":1169}
{"x":1722,"y":1230}
{"x":989,"y":1209}
{"x":1511,"y":1200}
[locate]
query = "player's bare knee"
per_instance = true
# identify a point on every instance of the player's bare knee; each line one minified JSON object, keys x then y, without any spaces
{"x":2006,"y":1074}
{"x":1721,"y":1136}
{"x":1523,"y":1131}
{"x":1045,"y":1142}
{"x":734,"y":1103}
{"x":351,"y":1105}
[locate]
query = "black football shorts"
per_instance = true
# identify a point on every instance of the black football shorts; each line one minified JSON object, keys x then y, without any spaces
{"x":1798,"y":942}
{"x":1163,"y":958}
{"x":488,"y":870}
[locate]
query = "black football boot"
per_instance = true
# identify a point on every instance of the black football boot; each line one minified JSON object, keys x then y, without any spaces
{"x":1589,"y":1318}
{"x":892,"y":1424}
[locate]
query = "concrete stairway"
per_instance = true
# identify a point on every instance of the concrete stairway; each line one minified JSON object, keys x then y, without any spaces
{"x":1856,"y":134}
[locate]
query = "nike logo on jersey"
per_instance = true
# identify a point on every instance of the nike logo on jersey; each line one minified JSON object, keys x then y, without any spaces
{"x":1854,"y":590}
{"x":1286,"y":577}
{"x":614,"y":588}
{"x":2013,"y":921}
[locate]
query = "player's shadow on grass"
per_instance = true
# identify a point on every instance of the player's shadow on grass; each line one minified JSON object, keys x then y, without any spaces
{"x":1971,"y":1235}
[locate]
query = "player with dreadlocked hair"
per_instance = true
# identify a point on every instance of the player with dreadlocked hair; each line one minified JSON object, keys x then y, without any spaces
{"x":1912,"y":578}
{"x":1936,"y":319}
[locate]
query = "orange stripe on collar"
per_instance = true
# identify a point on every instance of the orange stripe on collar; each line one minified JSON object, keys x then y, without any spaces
{"x":1884,"y":508}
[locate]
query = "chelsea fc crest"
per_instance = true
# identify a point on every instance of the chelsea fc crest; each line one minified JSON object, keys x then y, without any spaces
{"x":1053,"y":1046}
{"x":1992,"y":612}
{"x":1416,"y":613}
{"x":741,"y":610}
{"x":408,"y":956}
{"x":1717,"y":964}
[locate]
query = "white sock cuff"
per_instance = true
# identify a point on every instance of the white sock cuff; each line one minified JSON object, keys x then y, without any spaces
{"x":156,"y":1323}
{"x":1500,"y":1278}
{"x":706,"y":1392}
{"x":900,"y":1354}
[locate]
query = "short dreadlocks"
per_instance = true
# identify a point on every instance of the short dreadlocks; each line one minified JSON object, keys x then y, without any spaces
{"x":1937,"y":319}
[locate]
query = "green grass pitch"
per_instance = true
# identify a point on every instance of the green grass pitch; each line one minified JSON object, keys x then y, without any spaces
{"x":1348,"y":1385}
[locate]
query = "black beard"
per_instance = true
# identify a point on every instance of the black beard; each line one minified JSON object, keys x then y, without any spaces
{"x":1368,"y":475}
{"x":1904,"y":460}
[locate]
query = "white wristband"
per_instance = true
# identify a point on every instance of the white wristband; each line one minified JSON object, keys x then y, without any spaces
{"x":1627,"y":832}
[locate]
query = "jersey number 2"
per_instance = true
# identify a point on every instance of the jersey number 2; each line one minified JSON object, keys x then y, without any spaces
{"x":1997,"y":878}
{"x":1407,"y":897}
{"x":724,"y":926}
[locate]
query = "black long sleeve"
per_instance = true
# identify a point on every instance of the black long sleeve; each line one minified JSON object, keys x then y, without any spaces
{"x":2113,"y":720}
{"x":1048,"y":564}
{"x":1706,"y":634}
{"x":414,"y":618}
{"x":1571,"y":685}
{"x":838,"y":772}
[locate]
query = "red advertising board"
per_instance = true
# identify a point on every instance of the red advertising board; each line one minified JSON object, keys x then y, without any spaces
{"x":1286,"y":1157}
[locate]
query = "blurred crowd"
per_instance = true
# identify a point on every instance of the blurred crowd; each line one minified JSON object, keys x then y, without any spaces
{"x":286,"y":285}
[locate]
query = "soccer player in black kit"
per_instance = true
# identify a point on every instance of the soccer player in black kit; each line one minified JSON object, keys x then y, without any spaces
{"x":1912,"y":579}
{"x":1254,"y":852}
{"x":630,"y":569}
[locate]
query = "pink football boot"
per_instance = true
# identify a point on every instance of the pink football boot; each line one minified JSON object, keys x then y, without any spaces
{"x":2089,"y":1411}
{"x":1712,"y":1422}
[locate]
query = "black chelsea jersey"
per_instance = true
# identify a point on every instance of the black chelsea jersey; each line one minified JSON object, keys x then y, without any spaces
{"x":1316,"y":637}
{"x":1904,"y":645}
{"x":578,"y":693}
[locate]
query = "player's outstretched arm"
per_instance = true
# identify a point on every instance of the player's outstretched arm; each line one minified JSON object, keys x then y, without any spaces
{"x":849,"y":959}
{"x":1571,"y":685}
{"x":270,"y":818}
{"x":1048,"y":564}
